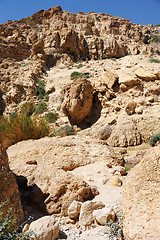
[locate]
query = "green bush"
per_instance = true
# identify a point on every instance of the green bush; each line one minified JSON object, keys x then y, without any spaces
{"x":154,"y":139}
{"x":155,"y":38}
{"x":64,"y":131}
{"x":8,"y":230}
{"x":129,"y":53}
{"x":80,"y":65}
{"x":79,"y":75}
{"x":114,"y":59}
{"x":59,"y":108}
{"x":157,"y":25}
{"x":115,"y":227}
{"x":80,"y":61}
{"x":41,"y":108}
{"x":28,"y":108}
{"x":152,"y":60}
{"x":51,"y":117}
{"x":22,"y":127}
{"x":97,"y":18}
{"x":24,"y":65}
{"x":127,"y":168}
{"x":40,"y":89}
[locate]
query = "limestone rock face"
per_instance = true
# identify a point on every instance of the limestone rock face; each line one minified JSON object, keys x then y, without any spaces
{"x":9,"y":189}
{"x":141,"y":196}
{"x":77,"y":102}
{"x":50,"y":184}
{"x":45,"y":228}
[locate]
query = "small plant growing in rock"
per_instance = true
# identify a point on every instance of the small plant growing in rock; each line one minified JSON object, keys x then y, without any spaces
{"x":40,"y":89}
{"x":153,"y":60}
{"x":8,"y":230}
{"x":44,"y":70}
{"x":128,"y":168}
{"x":97,"y":18}
{"x":24,"y":65}
{"x":64,"y":131}
{"x":59,"y":108}
{"x":154,"y":139}
{"x":51,"y":117}
{"x":115,"y":232}
{"x":79,"y":75}
{"x":41,"y":108}
{"x":80,"y":61}
{"x":28,"y":108}
{"x":144,"y":52}
{"x":114,"y":59}
{"x":80,"y":65}
{"x":129,"y":53}
{"x":155,"y":38}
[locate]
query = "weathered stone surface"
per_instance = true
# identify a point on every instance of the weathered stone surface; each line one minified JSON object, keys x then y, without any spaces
{"x":9,"y":193}
{"x":103,"y":215}
{"x":110,"y":78}
{"x":77,"y":103}
{"x":45,"y":228}
{"x":104,"y":132}
{"x":86,"y":217}
{"x":130,"y":107}
{"x":51,"y":186}
{"x":128,"y":79}
{"x":146,"y":74}
{"x":74,"y":210}
{"x":141,"y":196}
{"x":115,"y":181}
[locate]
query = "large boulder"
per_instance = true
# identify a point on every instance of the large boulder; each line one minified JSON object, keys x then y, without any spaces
{"x":9,"y":193}
{"x":141,"y":196}
{"x":77,"y":102}
{"x":46,"y":165}
{"x":45,"y":228}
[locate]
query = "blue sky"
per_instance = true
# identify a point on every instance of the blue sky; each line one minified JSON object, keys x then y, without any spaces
{"x":138,"y":11}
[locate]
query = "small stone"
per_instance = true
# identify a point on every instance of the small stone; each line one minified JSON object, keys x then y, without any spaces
{"x":74,"y":209}
{"x":103,"y":215}
{"x":32,"y":162}
{"x":115,"y":181}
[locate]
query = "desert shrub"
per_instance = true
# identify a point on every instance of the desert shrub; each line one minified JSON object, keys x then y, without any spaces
{"x":40,"y":89}
{"x":80,"y":61}
{"x":104,"y":56}
{"x":97,"y":18}
{"x":154,"y":139}
{"x":22,"y":127}
{"x":51,"y":117}
{"x":79,"y":75}
{"x":115,"y":227}
{"x":28,"y":108}
{"x":127,"y":168}
{"x":44,"y":70}
{"x":24,"y":65}
{"x":155,"y":38}
{"x":153,"y":60}
{"x":41,"y":108}
{"x":8,"y":230}
{"x":64,"y":131}
{"x":114,"y":59}
{"x":129,"y":53}
{"x":13,"y":114}
{"x":157,"y":25}
{"x":80,"y":65}
{"x":59,"y":108}
{"x":144,"y":52}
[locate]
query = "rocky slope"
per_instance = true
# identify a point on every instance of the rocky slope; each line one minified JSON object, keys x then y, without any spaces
{"x":34,"y":43}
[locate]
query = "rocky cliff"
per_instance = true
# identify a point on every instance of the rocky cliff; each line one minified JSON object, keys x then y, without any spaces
{"x":29,"y":46}
{"x":9,"y":190}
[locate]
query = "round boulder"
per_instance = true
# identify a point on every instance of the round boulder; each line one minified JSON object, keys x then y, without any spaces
{"x":77,"y":102}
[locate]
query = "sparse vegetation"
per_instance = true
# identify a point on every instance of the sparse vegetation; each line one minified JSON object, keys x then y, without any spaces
{"x":144,"y":52}
{"x":114,"y":59}
{"x":41,"y":108}
{"x":28,"y":108}
{"x":80,"y":65}
{"x":40,"y":89}
{"x":24,"y":65}
{"x":80,"y":61}
{"x":104,"y":56}
{"x":44,"y":70}
{"x":8,"y":230}
{"x":155,"y":38}
{"x":51,"y":117}
{"x":128,"y":168}
{"x":115,"y":227}
{"x":157,"y":25}
{"x":129,"y":53}
{"x":154,"y":139}
{"x":63,"y":131}
{"x":59,"y":108}
{"x":97,"y":18}
{"x":22,"y":127}
{"x":153,"y":60}
{"x":79,"y":75}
